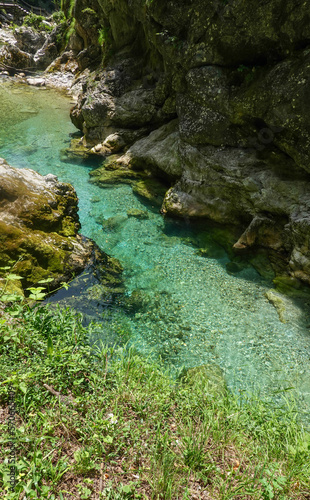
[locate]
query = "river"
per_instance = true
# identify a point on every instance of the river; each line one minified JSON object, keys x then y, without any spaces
{"x":193,"y":310}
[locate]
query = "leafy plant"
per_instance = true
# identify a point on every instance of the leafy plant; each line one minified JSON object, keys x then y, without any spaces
{"x":37,"y":22}
{"x":58,"y":16}
{"x":103,"y":35}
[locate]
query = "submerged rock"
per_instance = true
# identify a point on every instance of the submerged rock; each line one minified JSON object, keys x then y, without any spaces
{"x":137,"y":214}
{"x":39,"y":228}
{"x":209,"y":377}
{"x":277,"y":301}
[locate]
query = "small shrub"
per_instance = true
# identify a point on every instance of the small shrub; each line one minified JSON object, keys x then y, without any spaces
{"x":58,"y":17}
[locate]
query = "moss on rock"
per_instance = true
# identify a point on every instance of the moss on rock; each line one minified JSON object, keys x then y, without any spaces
{"x":39,"y":229}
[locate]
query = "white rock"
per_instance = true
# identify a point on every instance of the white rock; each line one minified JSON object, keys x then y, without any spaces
{"x":36,"y":82}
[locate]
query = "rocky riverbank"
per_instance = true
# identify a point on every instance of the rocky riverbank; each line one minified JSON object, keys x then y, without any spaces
{"x":34,"y":58}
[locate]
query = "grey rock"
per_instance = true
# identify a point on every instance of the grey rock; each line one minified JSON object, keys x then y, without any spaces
{"x":28,"y":39}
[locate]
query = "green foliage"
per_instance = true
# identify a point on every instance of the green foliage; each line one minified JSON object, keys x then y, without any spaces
{"x":103,"y":35}
{"x":58,"y":16}
{"x":71,"y":9}
{"x":35,"y":292}
{"x":36,"y":22}
{"x":70,"y":31}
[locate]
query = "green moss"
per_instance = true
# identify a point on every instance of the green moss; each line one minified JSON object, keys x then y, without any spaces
{"x":151,"y":189}
{"x":68,"y":227}
{"x":76,"y":150}
{"x":113,"y":223}
{"x":102,"y":176}
{"x":137,"y":214}
{"x":291,"y":286}
{"x":89,"y":11}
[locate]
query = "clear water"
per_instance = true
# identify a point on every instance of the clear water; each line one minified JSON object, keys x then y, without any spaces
{"x":193,"y":312}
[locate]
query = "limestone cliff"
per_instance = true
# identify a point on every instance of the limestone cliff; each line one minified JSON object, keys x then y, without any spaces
{"x":213,"y":96}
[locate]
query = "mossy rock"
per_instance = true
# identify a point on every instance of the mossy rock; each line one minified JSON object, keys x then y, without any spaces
{"x":209,"y":377}
{"x":277,"y":301}
{"x":113,"y":223}
{"x":138,"y":300}
{"x":137,"y":214}
{"x":11,"y":288}
{"x":76,"y":150}
{"x":102,"y":293}
{"x":39,"y":228}
{"x":102,"y":176}
{"x":290,"y":286}
{"x":150,"y":189}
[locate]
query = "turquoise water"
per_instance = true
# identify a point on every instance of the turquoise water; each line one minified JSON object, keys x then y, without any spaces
{"x":191,"y":310}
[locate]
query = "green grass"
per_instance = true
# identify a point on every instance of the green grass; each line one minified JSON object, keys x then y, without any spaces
{"x":120,"y":428}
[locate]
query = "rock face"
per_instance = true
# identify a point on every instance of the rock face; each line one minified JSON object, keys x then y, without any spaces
{"x":39,"y":228}
{"x":213,"y":96}
{"x":32,"y":49}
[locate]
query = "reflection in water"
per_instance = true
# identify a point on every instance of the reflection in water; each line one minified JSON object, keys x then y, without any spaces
{"x":187,"y":306}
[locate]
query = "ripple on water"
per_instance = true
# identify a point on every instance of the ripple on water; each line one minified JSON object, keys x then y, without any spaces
{"x":180,"y":305}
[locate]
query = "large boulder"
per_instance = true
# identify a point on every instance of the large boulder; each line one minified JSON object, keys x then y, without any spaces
{"x":39,"y":229}
{"x":14,"y":58}
{"x":28,"y":39}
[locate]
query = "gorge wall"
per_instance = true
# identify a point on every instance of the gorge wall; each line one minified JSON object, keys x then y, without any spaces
{"x":214,"y":97}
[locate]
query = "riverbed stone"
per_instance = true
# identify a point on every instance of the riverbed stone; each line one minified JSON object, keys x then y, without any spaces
{"x":137,"y":214}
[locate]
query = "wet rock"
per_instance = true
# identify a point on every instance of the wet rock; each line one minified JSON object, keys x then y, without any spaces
{"x":39,"y":227}
{"x":138,"y":300}
{"x":279,"y":303}
{"x":267,"y":193}
{"x":103,"y":176}
{"x":113,"y":223}
{"x":76,"y":150}
{"x":151,"y":189}
{"x":209,"y":377}
{"x":137,"y":214}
